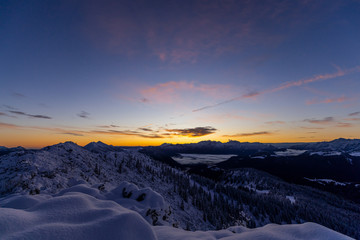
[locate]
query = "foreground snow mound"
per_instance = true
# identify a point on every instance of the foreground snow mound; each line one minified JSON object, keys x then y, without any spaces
{"x":83,"y":212}
{"x":73,"y":215}
{"x":308,"y":231}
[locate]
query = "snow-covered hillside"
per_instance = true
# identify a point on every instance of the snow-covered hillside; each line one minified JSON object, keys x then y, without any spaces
{"x":82,"y":212}
{"x":57,"y":167}
{"x":166,"y":198}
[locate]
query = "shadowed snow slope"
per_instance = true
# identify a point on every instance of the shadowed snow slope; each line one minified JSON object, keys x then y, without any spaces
{"x":306,"y":231}
{"x":82,"y":212}
{"x":73,"y":215}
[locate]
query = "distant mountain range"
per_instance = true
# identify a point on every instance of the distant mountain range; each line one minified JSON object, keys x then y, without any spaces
{"x":340,"y":144}
{"x":232,"y":147}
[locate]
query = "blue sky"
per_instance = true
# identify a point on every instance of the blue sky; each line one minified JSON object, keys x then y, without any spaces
{"x":148,"y":72}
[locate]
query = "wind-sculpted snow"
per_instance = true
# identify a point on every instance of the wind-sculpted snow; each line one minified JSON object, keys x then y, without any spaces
{"x":70,"y":215}
{"x":83,"y":212}
{"x":129,"y":194}
{"x":308,"y":231}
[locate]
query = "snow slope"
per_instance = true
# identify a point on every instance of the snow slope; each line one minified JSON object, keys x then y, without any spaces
{"x":60,"y":166}
{"x":160,"y":194}
{"x":74,"y":214}
{"x":83,"y":212}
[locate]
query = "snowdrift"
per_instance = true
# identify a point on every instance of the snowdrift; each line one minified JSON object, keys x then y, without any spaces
{"x":83,"y":212}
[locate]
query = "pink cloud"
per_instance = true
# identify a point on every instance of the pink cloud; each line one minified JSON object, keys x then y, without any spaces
{"x":343,"y":124}
{"x":249,"y":134}
{"x":329,"y":100}
{"x":274,"y":122}
{"x":8,"y":125}
{"x":352,"y":119}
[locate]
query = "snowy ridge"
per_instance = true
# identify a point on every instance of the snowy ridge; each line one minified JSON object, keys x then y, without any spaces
{"x":337,"y":145}
{"x":58,"y":167}
{"x":82,"y":212}
{"x":98,"y":147}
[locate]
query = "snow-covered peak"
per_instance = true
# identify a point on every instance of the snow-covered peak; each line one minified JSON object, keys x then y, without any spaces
{"x":14,"y":149}
{"x":66,"y":146}
{"x":99,"y":147}
{"x":340,"y":145}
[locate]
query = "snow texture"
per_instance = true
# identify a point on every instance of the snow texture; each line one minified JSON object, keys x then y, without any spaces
{"x":307,"y":231}
{"x":208,"y":159}
{"x":73,"y":214}
{"x":83,"y":212}
{"x":289,"y":152}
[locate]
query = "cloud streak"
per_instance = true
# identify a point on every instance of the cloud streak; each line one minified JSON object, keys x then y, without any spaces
{"x":352,"y":119}
{"x":7,"y":125}
{"x":354,"y":114}
{"x":275,"y":122}
{"x":249,"y":134}
{"x":127,"y":133}
{"x":30,"y":115}
{"x":328,"y":100}
{"x":73,"y":134}
{"x":84,"y":114}
{"x":18,"y":95}
{"x":287,"y":85}
{"x":326,"y":120}
{"x":244,"y":96}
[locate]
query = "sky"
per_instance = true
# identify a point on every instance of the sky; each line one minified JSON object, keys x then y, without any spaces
{"x":138,"y":72}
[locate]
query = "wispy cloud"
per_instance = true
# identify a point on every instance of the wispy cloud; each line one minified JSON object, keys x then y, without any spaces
{"x":73,"y":134}
{"x":312,"y":128}
{"x":84,"y":114}
{"x":7,"y":125}
{"x":344,"y":124}
{"x":326,"y":120}
{"x":9,"y":107}
{"x":328,"y":100}
{"x":193,"y":132}
{"x":4,"y":114}
{"x":354,"y":114}
{"x":172,"y":91}
{"x":127,"y":133}
{"x":18,"y":95}
{"x":244,"y":96}
{"x":249,"y":134}
{"x":287,"y":85}
{"x":146,"y":129}
{"x":352,"y":119}
{"x":108,"y":126}
{"x":274,"y":122}
{"x":30,"y":115}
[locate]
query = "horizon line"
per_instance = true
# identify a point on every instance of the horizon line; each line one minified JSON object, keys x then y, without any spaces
{"x":36,"y":148}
